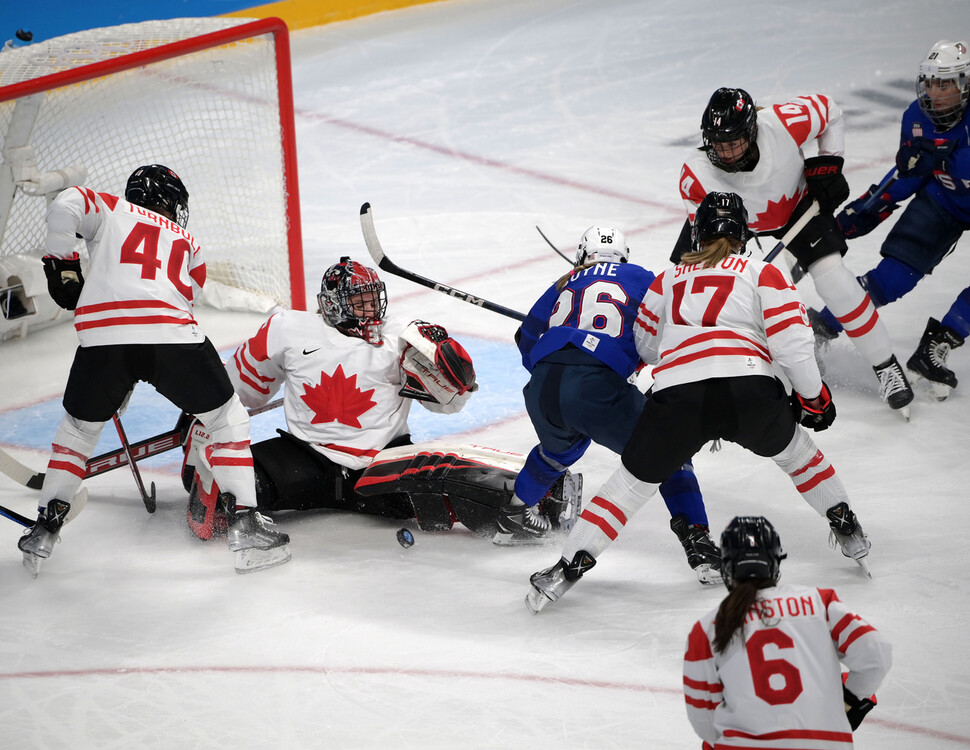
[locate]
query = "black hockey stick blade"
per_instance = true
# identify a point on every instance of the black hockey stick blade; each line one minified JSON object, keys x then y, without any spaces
{"x":386,"y":264}
{"x":558,"y":251}
{"x":15,"y":516}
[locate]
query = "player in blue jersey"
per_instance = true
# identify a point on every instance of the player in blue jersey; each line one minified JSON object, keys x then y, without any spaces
{"x":932,"y":166}
{"x":577,"y":343}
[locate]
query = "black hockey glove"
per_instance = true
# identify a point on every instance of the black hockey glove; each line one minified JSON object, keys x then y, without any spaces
{"x":856,"y":708}
{"x":825,"y":182}
{"x":921,"y":157}
{"x":856,"y":221}
{"x":64,"y":280}
{"x":816,"y":414}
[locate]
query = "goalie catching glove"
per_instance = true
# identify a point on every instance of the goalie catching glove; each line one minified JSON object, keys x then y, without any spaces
{"x":436,"y":367}
{"x":64,"y":280}
{"x":815,"y":414}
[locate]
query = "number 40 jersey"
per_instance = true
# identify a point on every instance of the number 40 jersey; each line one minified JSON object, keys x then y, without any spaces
{"x":595,"y":311}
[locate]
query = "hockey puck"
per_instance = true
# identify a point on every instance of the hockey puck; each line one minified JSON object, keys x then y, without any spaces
{"x":405,"y":538}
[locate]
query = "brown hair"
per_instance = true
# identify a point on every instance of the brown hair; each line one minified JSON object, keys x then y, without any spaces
{"x":712,"y":252}
{"x":734,"y":610}
{"x":564,"y":279}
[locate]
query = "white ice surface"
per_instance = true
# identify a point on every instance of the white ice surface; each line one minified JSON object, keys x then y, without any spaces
{"x":466,"y":124}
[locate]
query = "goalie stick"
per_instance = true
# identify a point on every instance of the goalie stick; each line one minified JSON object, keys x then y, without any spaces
{"x":386,"y":264}
{"x":147,"y":448}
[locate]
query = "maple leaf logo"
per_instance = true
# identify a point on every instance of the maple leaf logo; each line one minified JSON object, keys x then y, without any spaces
{"x":337,"y":399}
{"x":776,"y":215}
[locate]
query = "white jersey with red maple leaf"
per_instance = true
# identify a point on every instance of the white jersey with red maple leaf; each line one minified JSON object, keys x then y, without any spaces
{"x":341,"y":393}
{"x":731,"y":320}
{"x":775,"y":186}
{"x":781,"y":686}
{"x":144,"y":273}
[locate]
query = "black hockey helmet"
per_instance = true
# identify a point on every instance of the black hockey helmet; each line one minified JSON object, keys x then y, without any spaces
{"x":750,"y":550}
{"x":353,"y":300}
{"x":730,"y":115}
{"x":158,"y":188}
{"x":720,"y":215}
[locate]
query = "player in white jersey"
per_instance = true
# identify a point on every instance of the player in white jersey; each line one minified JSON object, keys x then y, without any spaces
{"x":757,"y":153}
{"x":714,"y":326}
{"x":763,"y":669}
{"x":134,"y":321}
{"x":349,"y":380}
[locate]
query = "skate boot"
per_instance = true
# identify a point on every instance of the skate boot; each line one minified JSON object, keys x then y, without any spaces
{"x":929,"y":359}
{"x":520,"y":524}
{"x":550,"y":584}
{"x":848,"y":534}
{"x":703,"y":555}
{"x":256,"y":544}
{"x":38,"y":543}
{"x":823,"y":330}
{"x":894,"y":388}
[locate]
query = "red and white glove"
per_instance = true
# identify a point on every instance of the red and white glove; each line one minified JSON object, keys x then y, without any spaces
{"x":436,"y":367}
{"x":816,"y":414}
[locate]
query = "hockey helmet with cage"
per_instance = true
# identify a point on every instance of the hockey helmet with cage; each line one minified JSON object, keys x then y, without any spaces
{"x":750,"y":550}
{"x":730,"y":116}
{"x":720,"y":215}
{"x":946,"y":61}
{"x":602,"y":245}
{"x":159,"y":189}
{"x":353,"y":300}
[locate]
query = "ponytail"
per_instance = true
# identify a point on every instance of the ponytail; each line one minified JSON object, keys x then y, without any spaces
{"x":734,"y":610}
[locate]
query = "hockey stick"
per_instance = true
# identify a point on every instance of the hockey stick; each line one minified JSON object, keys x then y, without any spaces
{"x":881,"y":188}
{"x":77,"y":504}
{"x":19,"y":473}
{"x":558,"y":251}
{"x":148,"y":500}
{"x":386,"y":264}
{"x":797,"y":227}
{"x":143,"y":449}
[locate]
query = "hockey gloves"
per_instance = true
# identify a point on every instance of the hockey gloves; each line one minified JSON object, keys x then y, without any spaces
{"x":436,"y":367}
{"x":816,"y":414}
{"x":826,"y":183}
{"x":64,"y":280}
{"x":865,"y":214}
{"x":856,"y":708}
{"x":921,"y":157}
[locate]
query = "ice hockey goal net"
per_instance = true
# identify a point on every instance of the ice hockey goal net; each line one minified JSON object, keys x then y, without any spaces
{"x":209,"y":97}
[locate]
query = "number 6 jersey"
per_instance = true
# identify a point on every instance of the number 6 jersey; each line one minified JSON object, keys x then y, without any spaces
{"x":781,"y":686}
{"x":145,"y":271}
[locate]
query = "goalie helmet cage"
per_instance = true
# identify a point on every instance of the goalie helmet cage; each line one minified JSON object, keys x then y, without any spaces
{"x":212,"y":98}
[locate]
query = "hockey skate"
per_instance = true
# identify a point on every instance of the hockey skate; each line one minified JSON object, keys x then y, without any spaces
{"x":550,"y":584}
{"x":824,"y":333}
{"x":894,"y":388}
{"x":847,"y":533}
{"x":555,"y":513}
{"x":256,"y":544}
{"x":38,"y":543}
{"x":929,"y":359}
{"x":703,"y":555}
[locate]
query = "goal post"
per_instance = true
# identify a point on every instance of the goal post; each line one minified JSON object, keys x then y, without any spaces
{"x":212,"y":98}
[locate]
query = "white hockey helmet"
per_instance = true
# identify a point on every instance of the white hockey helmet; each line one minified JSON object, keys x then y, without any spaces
{"x":602,"y":245}
{"x":946,"y":61}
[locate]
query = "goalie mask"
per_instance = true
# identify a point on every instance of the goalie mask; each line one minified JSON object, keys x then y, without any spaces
{"x":720,"y":215}
{"x":730,"y":129}
{"x":942,"y":86}
{"x":750,"y":550}
{"x":602,"y":245}
{"x":353,"y":300}
{"x":159,"y":189}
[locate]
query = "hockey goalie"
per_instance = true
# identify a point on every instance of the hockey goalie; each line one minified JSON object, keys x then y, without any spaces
{"x":349,"y":380}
